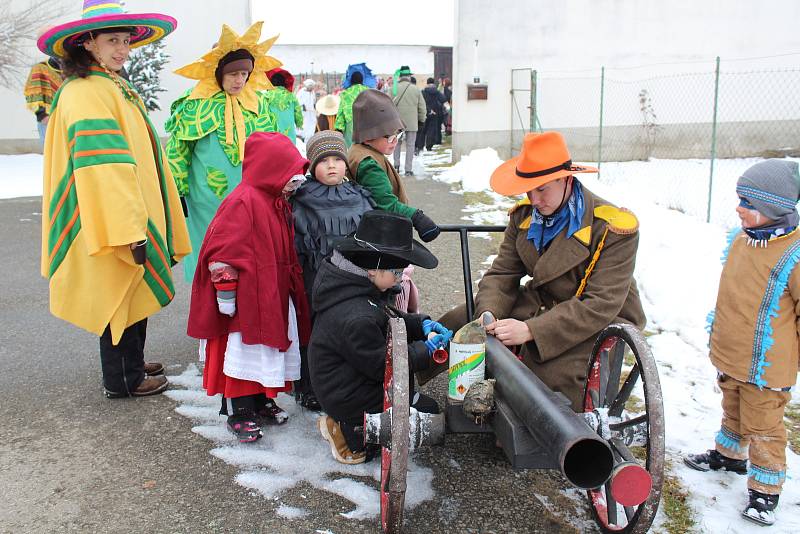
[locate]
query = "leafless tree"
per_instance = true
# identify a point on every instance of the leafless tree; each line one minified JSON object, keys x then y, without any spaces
{"x":18,"y":29}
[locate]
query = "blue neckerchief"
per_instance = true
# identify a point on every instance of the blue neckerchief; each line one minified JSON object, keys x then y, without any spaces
{"x":545,"y":229}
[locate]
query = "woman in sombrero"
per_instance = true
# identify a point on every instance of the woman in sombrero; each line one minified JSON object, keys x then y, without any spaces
{"x":579,"y":252}
{"x":209,"y":126}
{"x":111,"y":217}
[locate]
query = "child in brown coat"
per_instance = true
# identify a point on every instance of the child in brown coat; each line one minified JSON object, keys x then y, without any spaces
{"x":754,"y":337}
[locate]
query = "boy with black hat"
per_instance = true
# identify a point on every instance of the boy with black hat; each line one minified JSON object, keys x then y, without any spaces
{"x":327,"y":207}
{"x":377,"y":128}
{"x":348,"y":344}
{"x":754,"y":340}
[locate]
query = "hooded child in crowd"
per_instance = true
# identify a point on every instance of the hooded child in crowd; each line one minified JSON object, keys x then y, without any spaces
{"x":754,"y":336}
{"x":283,"y":103}
{"x":348,"y":346}
{"x":248,"y":303}
{"x":327,"y":207}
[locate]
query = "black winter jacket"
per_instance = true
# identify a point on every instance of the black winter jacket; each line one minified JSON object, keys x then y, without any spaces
{"x":347,"y":351}
{"x":434,"y":99}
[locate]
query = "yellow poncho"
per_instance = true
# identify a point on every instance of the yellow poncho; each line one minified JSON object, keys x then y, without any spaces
{"x":106,"y":185}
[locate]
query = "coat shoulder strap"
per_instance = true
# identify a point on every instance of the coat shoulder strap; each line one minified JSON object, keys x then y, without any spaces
{"x":620,"y":220}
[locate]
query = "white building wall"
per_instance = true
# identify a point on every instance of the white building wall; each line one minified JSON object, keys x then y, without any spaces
{"x":18,"y":132}
{"x":574,"y":35}
{"x":382,"y":59}
{"x":199,"y":26}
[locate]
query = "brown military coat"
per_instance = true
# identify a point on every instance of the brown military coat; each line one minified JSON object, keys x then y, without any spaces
{"x":564,"y":327}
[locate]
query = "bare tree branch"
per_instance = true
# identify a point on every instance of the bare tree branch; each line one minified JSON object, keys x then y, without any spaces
{"x":18,"y":29}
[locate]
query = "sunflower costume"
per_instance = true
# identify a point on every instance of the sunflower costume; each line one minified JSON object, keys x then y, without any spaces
{"x":208,"y":128}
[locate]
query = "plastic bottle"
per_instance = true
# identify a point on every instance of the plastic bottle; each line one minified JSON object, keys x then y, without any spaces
{"x":467,"y":358}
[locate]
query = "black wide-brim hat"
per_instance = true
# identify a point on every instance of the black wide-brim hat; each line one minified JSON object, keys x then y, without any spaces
{"x":385,"y":240}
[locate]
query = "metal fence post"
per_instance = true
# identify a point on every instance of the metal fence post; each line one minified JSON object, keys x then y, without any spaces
{"x":713,"y":141}
{"x":534,"y":119}
{"x":511,"y":123}
{"x":600,"y":134}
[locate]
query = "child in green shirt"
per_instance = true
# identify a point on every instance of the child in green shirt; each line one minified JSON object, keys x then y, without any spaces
{"x":377,"y":127}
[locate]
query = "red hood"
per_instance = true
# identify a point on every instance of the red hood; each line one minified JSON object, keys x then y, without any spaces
{"x":286,"y":76}
{"x":270,"y":160}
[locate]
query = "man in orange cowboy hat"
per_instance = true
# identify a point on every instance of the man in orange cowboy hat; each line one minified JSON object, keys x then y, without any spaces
{"x":555,"y":236}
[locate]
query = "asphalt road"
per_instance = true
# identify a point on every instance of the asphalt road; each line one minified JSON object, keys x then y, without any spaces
{"x":73,"y":461}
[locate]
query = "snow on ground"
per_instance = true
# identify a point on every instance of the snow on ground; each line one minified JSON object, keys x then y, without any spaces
{"x":677,"y":271}
{"x":289,"y":454}
{"x":21,"y":176}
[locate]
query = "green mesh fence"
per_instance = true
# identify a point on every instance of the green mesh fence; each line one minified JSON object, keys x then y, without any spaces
{"x":685,"y":131}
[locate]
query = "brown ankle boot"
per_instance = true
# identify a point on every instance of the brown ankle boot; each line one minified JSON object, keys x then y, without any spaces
{"x":151,"y":385}
{"x":153,"y":368}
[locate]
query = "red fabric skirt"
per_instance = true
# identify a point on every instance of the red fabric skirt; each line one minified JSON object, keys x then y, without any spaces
{"x":215,"y":381}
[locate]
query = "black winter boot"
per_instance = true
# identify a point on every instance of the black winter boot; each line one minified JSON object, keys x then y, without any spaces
{"x":309,"y":401}
{"x":270,"y":413}
{"x":760,"y":507}
{"x":713,"y":460}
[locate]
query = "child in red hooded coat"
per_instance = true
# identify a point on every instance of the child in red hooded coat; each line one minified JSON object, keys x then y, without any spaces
{"x":248,"y":304}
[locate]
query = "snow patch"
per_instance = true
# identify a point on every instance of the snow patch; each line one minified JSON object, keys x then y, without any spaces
{"x":21,"y":176}
{"x":290,"y":453}
{"x":290,"y":512}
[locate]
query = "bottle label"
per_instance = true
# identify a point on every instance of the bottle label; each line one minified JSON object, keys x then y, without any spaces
{"x":467,"y":366}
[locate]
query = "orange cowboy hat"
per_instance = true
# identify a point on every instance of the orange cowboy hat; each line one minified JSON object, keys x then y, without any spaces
{"x":544,"y":157}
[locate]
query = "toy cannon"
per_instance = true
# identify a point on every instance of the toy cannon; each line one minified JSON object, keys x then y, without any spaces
{"x":613,"y":450}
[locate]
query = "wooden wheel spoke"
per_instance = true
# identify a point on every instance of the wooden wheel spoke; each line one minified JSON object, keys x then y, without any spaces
{"x":622,"y":450}
{"x":611,"y":505}
{"x":618,"y":404}
{"x":629,"y":423}
{"x":604,"y":368}
{"x":629,"y":511}
{"x":615,"y":361}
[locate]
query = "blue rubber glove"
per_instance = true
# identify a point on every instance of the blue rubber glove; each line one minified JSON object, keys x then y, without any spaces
{"x":437,"y":341}
{"x":429,"y":326}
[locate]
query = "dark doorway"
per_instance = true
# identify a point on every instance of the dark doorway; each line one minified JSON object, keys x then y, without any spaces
{"x":442,"y":62}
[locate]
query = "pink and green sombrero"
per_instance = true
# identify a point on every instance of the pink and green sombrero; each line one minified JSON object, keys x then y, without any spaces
{"x":97,"y":14}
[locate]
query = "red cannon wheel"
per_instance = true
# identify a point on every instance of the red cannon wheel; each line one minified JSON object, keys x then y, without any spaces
{"x":623,"y":393}
{"x":394,"y":461}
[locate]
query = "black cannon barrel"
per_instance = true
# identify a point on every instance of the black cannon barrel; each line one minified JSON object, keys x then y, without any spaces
{"x":584,"y":458}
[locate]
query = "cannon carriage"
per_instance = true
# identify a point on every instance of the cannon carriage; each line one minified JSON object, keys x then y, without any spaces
{"x":613,"y":450}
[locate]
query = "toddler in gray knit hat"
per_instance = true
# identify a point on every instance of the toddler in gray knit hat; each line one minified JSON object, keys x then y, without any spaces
{"x":753,"y":342}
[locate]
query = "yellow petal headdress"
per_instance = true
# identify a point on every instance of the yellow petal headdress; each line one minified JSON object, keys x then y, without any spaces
{"x":203,"y":69}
